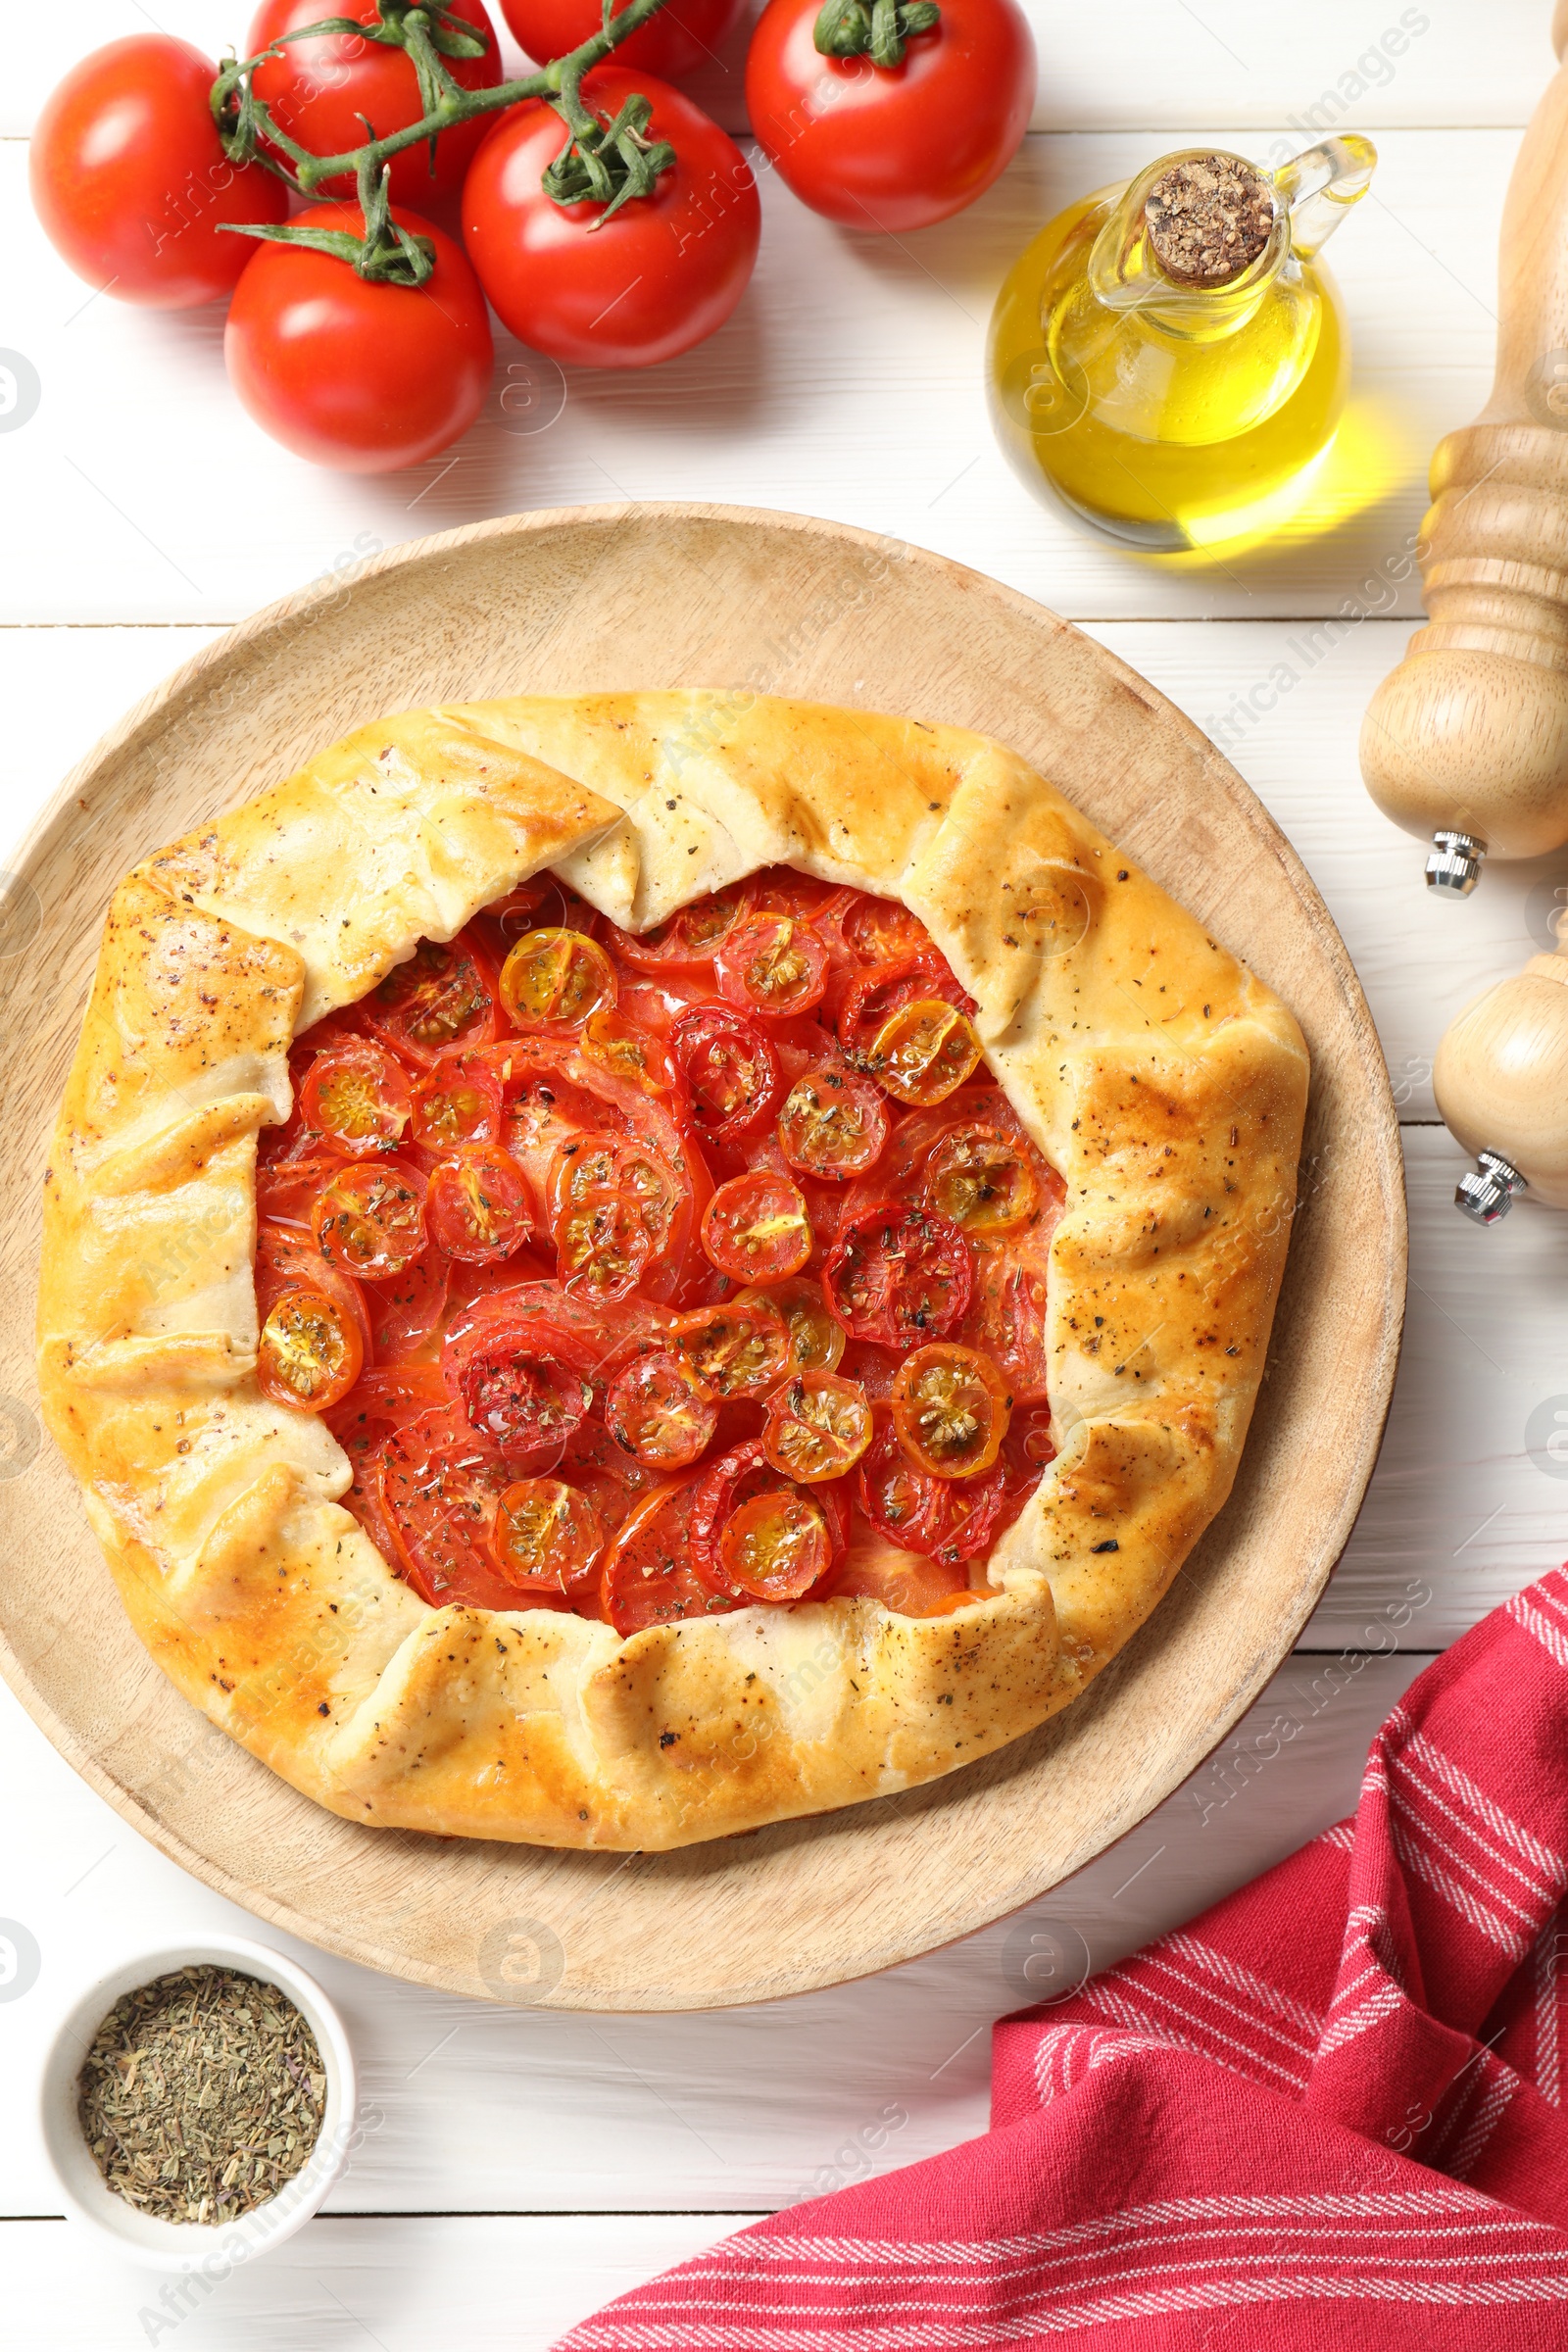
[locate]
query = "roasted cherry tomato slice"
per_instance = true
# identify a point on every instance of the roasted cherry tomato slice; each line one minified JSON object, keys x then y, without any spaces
{"x":356,"y":1096}
{"x":444,"y":995}
{"x":872,"y":998}
{"x":772,"y":965}
{"x":311,"y":1352}
{"x":882,"y":931}
{"x":553,"y":979}
{"x":689,"y":939}
{"x":909,"y":1583}
{"x":730,"y":1068}
{"x":658,"y":1409}
{"x":903,"y":1503}
{"x":458,"y":1102}
{"x":817,"y":1427}
{"x":925,"y":1052}
{"x":406,"y":1310}
{"x":972,"y":1514}
{"x":756,"y":1228}
{"x":438,"y":1486}
{"x":478,"y":1204}
{"x":775,"y":1546}
{"x":288,"y":1259}
{"x":833,"y":1124}
{"x":369,"y":1219}
{"x":951,"y":1409}
{"x":741,"y":1349}
{"x":770,"y":1548}
{"x":547,"y":1537}
{"x":816,"y":1338}
{"x":526,"y":1388}
{"x":898,"y":1276}
{"x":618,"y":1046}
{"x":589,"y":1167}
{"x":602,"y":1246}
{"x":983,"y":1181}
{"x":648,"y":1577}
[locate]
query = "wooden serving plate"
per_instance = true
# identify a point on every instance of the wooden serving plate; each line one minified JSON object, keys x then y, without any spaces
{"x":585,"y":600}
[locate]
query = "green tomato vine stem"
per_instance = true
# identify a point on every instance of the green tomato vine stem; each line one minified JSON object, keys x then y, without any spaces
{"x":607,"y":163}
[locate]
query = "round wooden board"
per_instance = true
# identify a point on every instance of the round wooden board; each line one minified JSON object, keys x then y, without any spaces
{"x":622,"y":596}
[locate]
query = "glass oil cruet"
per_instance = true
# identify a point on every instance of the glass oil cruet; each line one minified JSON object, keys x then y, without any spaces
{"x":1169,"y":356}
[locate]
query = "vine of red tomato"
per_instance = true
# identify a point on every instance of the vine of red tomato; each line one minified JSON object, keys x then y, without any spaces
{"x":615,"y":225}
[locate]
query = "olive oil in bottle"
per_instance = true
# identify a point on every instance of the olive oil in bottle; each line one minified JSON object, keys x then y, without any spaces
{"x":1168,"y":357}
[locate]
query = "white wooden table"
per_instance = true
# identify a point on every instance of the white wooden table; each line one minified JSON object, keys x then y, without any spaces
{"x":521,"y":2167}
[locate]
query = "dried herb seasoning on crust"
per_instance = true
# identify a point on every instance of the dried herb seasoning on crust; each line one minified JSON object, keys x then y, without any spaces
{"x":1163,"y":1084}
{"x":202,"y":2095}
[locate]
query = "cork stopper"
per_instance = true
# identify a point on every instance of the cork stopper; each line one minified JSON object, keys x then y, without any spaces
{"x":1208,"y":219}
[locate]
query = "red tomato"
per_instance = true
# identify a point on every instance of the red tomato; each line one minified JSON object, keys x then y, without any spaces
{"x":624,"y":1050}
{"x":647,"y":1575}
{"x":357,"y":1097}
{"x":898,"y":1276}
{"x":772,"y":966}
{"x":756,"y":1228}
{"x":553,"y":979}
{"x":369,"y":1218}
{"x":364,"y":378}
{"x":816,"y":1337}
{"x":817,"y":1427}
{"x":899,"y":147}
{"x":834,"y":1124}
{"x":478,"y":1204}
{"x":872,"y":999}
{"x":759,"y":1537}
{"x":287,"y":1259}
{"x":524,"y":1388}
{"x":548,"y":1537}
{"x":775,"y":1546}
{"x":883,"y":930}
{"x":951,"y":1409}
{"x":323,"y":92}
{"x":948,"y":1519}
{"x":983,"y":1179}
{"x":924,"y":1052}
{"x":287,"y":1190}
{"x":406,"y":1310}
{"x":909,"y":1583}
{"x":459,"y":1101}
{"x":438,"y":1487}
{"x":684,"y":34}
{"x":130,"y":181}
{"x":741,"y":1349}
{"x":311,"y":1352}
{"x":445,"y":996}
{"x":657,"y":1409}
{"x":660,"y":274}
{"x":729,"y":1067}
{"x":689,"y":940}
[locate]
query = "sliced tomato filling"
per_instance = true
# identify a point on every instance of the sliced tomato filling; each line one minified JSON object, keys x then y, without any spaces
{"x":654,"y":1276}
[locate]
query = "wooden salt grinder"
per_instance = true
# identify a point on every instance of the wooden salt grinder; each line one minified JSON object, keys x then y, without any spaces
{"x":1467,"y":741}
{"x":1502,"y":1083}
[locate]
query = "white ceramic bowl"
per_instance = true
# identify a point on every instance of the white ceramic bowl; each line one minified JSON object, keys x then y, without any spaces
{"x":217,"y":2249}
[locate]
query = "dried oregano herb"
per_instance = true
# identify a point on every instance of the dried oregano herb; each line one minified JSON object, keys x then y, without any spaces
{"x":201,"y":2095}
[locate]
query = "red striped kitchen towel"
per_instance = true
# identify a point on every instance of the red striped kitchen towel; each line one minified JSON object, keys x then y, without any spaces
{"x":1328,"y":2113}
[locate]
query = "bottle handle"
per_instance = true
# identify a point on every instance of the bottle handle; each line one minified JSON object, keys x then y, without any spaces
{"x":1319,"y":187}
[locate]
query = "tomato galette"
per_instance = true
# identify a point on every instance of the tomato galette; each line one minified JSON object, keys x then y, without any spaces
{"x":621,"y":1268}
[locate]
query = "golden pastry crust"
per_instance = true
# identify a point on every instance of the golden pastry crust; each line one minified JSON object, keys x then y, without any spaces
{"x":1165,"y":1083}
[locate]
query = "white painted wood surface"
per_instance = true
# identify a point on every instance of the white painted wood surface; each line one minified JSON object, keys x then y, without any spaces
{"x":521,"y":2167}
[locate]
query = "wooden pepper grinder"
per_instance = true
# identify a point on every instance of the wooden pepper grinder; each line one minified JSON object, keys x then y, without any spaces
{"x":1467,"y":741}
{"x":1502,"y":1082}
